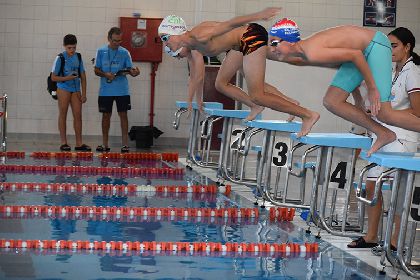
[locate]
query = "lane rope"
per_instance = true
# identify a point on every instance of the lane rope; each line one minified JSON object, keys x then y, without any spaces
{"x":157,"y":246}
{"x":91,"y":170}
{"x":170,"y":157}
{"x":275,"y":213}
{"x":108,"y":189}
{"x":134,"y":219}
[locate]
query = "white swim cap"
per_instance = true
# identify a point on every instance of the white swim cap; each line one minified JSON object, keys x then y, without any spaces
{"x":172,"y":25}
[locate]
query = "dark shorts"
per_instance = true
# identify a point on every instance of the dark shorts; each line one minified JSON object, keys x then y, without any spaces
{"x":254,"y":38}
{"x":105,"y":103}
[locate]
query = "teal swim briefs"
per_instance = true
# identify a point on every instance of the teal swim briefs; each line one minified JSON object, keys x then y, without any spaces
{"x":378,"y":55}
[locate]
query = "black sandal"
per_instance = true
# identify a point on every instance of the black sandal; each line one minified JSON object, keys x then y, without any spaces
{"x":361,"y":243}
{"x":102,"y":149}
{"x":65,"y":148}
{"x":125,"y":149}
{"x":83,"y":148}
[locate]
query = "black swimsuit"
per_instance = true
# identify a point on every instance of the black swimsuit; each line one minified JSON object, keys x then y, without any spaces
{"x":254,"y":38}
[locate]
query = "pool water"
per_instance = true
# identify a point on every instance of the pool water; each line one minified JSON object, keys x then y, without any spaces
{"x":329,"y":263}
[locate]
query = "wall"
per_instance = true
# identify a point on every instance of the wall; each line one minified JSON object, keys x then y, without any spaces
{"x":31,"y":33}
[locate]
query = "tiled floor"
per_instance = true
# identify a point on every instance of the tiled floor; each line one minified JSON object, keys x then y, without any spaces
{"x":243,"y":194}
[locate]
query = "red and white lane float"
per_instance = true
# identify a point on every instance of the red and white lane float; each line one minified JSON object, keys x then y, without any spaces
{"x":62,"y":155}
{"x":92,"y":170}
{"x":169,"y":157}
{"x":279,"y":214}
{"x":131,"y":211}
{"x":133,"y":219}
{"x":216,"y":254}
{"x":120,"y":190}
{"x":12,"y":154}
{"x":256,"y":249}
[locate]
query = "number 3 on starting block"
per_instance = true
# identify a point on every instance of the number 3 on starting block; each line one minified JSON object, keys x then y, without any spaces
{"x":280,"y":151}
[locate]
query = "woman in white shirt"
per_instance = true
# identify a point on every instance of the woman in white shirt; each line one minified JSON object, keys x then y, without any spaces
{"x":405,"y":96}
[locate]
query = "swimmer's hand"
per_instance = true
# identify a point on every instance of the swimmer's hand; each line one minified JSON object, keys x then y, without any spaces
{"x":190,"y":109}
{"x":374,"y":100}
{"x":200,"y":106}
{"x":290,"y":118}
{"x":269,"y":13}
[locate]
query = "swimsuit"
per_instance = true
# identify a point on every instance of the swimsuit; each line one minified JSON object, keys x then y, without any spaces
{"x":378,"y":55}
{"x":254,"y":38}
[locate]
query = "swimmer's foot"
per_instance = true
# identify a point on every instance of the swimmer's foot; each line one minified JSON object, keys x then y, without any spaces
{"x":255,"y":110}
{"x":382,"y":140}
{"x":308,"y":123}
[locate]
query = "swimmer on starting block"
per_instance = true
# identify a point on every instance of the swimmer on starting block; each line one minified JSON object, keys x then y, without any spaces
{"x":247,"y":46}
{"x":360,"y":54}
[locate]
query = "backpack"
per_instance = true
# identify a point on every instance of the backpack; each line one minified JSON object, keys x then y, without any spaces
{"x":51,"y":85}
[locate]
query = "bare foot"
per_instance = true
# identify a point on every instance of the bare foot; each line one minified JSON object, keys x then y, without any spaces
{"x":308,"y":123}
{"x":254,"y":112}
{"x":382,"y":139}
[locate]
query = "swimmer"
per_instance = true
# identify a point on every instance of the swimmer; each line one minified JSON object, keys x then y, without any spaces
{"x":247,"y":46}
{"x":359,"y":54}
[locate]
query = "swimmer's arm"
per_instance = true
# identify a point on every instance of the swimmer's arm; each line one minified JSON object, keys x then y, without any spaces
{"x":298,"y":61}
{"x":204,"y":35}
{"x":341,"y":55}
{"x":358,"y":99}
{"x":196,"y":78}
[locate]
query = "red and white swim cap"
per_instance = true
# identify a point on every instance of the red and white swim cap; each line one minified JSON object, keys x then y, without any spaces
{"x":287,"y":30}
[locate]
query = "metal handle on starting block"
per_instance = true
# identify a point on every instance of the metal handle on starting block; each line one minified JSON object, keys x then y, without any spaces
{"x":210,"y":125}
{"x":247,"y":144}
{"x":178,"y":114}
{"x":303,"y":159}
{"x":378,"y":184}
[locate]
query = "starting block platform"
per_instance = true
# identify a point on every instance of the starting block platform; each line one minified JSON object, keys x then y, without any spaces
{"x":404,"y":167}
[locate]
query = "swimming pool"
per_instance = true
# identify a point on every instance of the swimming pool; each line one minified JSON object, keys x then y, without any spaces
{"x":73,"y":263}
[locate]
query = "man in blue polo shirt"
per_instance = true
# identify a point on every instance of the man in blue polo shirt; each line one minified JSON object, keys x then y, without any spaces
{"x":110,"y":60}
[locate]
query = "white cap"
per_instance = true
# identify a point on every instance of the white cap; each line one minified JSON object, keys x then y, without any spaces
{"x":172,"y":25}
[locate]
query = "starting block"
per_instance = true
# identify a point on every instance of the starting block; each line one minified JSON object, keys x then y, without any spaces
{"x":228,"y":116}
{"x":194,"y":126}
{"x":325,"y":145}
{"x":273,"y":129}
{"x":405,"y":167}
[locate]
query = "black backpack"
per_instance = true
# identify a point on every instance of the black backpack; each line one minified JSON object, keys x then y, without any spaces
{"x":51,"y":85}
